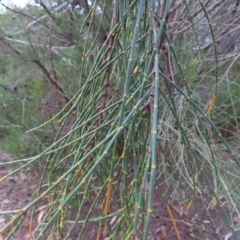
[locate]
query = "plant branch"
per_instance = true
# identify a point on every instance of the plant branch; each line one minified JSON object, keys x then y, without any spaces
{"x":41,"y":66}
{"x":22,"y":96}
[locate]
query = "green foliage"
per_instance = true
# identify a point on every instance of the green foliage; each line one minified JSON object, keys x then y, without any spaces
{"x":17,"y":117}
{"x":36,"y":88}
{"x":228,"y":98}
{"x":141,"y":122}
{"x":13,"y":142}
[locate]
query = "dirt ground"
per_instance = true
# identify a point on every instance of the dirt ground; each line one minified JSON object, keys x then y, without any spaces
{"x":17,"y":191}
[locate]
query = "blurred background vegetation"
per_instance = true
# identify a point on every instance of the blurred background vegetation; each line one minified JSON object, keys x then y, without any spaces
{"x":120,"y":100}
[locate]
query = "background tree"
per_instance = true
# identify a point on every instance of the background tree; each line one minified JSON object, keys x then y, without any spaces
{"x":140,"y":108}
{"x":42,"y":47}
